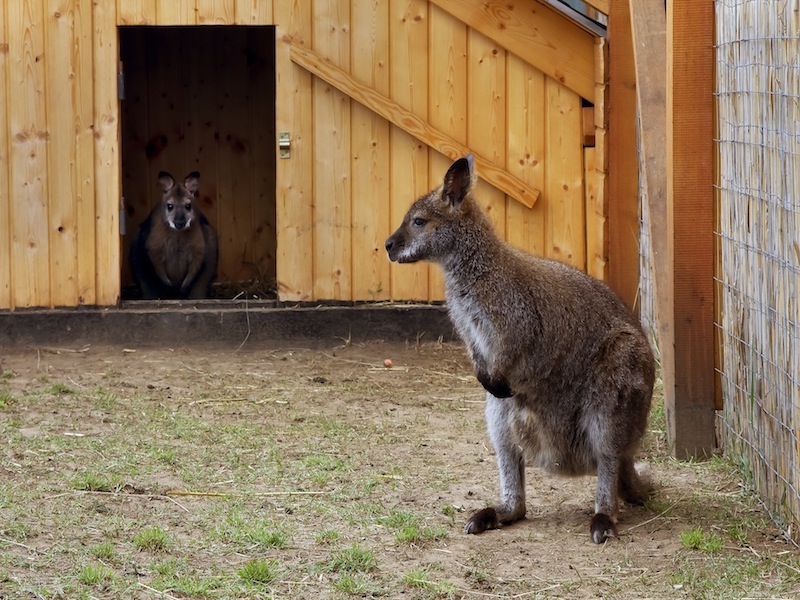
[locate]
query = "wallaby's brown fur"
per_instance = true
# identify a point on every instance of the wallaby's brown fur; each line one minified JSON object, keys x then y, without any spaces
{"x":175,"y":251}
{"x":568,"y":371}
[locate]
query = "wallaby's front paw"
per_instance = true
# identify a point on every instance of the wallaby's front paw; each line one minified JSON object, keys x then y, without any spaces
{"x":481,"y":521}
{"x":602,"y":527}
{"x":497,"y":386}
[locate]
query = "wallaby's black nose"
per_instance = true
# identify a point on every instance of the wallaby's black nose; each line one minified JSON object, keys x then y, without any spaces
{"x":389,"y":244}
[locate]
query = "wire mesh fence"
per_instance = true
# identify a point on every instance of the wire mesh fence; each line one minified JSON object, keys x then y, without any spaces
{"x":758,"y":101}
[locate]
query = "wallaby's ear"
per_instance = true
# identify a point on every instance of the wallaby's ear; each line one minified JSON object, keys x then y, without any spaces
{"x":166,"y":181}
{"x":192,"y":182}
{"x":458,"y":180}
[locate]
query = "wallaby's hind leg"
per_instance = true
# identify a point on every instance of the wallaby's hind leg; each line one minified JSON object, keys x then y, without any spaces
{"x":632,"y":488}
{"x":603,"y":524}
{"x":511,"y":467}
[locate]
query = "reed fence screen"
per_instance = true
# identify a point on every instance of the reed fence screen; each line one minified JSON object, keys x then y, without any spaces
{"x":758,"y":100}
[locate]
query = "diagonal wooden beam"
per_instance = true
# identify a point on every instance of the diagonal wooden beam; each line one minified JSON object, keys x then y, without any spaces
{"x":537,"y":34}
{"x":411,"y":123}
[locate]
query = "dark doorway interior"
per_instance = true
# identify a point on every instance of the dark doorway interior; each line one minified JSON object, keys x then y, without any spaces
{"x":203,"y":99}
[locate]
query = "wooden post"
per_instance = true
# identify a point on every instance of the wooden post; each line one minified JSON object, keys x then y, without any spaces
{"x":623,"y":161}
{"x":690,"y":196}
{"x":648,"y":25}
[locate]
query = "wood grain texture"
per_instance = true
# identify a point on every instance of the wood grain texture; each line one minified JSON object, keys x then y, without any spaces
{"x":370,"y":151}
{"x":434,"y":136}
{"x":539,"y":35}
{"x":332,"y":151}
{"x":565,"y":238}
{"x":84,"y":174}
{"x":216,"y":12}
{"x":176,"y":12}
{"x":28,"y":155}
{"x":61,"y":154}
{"x":295,"y":186}
{"x":623,"y":160}
{"x":690,"y":192}
{"x":486,"y":130}
{"x":6,"y":281}
{"x":408,"y":157}
{"x":136,"y":12}
{"x":525,"y":99}
{"x":106,"y":154}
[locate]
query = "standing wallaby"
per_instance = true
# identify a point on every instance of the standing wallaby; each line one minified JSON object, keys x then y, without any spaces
{"x":568,"y":371}
{"x":174,"y":254}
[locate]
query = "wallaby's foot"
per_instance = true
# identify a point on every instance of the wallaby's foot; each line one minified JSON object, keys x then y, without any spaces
{"x":482,"y":520}
{"x":602,"y":528}
{"x":497,"y":386}
{"x":489,"y":518}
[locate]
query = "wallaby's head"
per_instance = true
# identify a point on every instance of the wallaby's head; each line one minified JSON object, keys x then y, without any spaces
{"x":437,"y":221}
{"x":177,"y":201}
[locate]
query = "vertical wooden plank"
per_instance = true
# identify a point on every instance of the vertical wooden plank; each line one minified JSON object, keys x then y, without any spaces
{"x":370,"y":166}
{"x":201,"y":127}
{"x":136,"y":12}
{"x":28,"y":155}
{"x":525,"y":97}
{"x":254,"y":12}
{"x":6,"y":283}
{"x":106,"y":156}
{"x":261,"y":92}
{"x":595,"y":216}
{"x":234,"y":160}
{"x":83,"y":102}
{"x":216,"y":12}
{"x":565,"y":234}
{"x":597,"y":263}
{"x":690,"y":194}
{"x":332,"y":145}
{"x":447,"y":82}
{"x":175,"y":12}
{"x":623,"y":160}
{"x":61,"y":159}
{"x":295,"y":191}
{"x":486,"y":125}
{"x":137,"y":180}
{"x":409,"y":158}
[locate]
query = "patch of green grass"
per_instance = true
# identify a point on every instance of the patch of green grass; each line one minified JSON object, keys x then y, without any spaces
{"x":96,"y":575}
{"x":102,"y":551}
{"x":153,"y":539}
{"x":249,"y":531}
{"x":352,"y":560}
{"x":164,"y":455}
{"x":7,"y":374}
{"x":697,"y":539}
{"x":59,"y":389}
{"x":259,"y":571}
{"x":410,"y":528}
{"x":6,"y":398}
{"x":90,"y":481}
{"x":104,"y":399}
{"x":420,"y":579}
{"x":356,"y":584}
{"x":327,"y":536}
{"x":322,"y":468}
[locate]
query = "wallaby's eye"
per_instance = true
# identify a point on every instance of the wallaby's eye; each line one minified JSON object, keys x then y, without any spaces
{"x":188,"y":206}
{"x":418,"y":221}
{"x":170,"y":206}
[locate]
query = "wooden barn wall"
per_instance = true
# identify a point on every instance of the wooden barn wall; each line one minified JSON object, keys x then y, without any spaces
{"x":352,"y":173}
{"x":523,"y":113}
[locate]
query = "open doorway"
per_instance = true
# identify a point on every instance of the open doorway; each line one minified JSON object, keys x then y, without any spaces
{"x":203,"y":99}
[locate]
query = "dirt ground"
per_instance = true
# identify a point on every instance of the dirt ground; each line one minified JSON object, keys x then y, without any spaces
{"x":302,"y":458}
